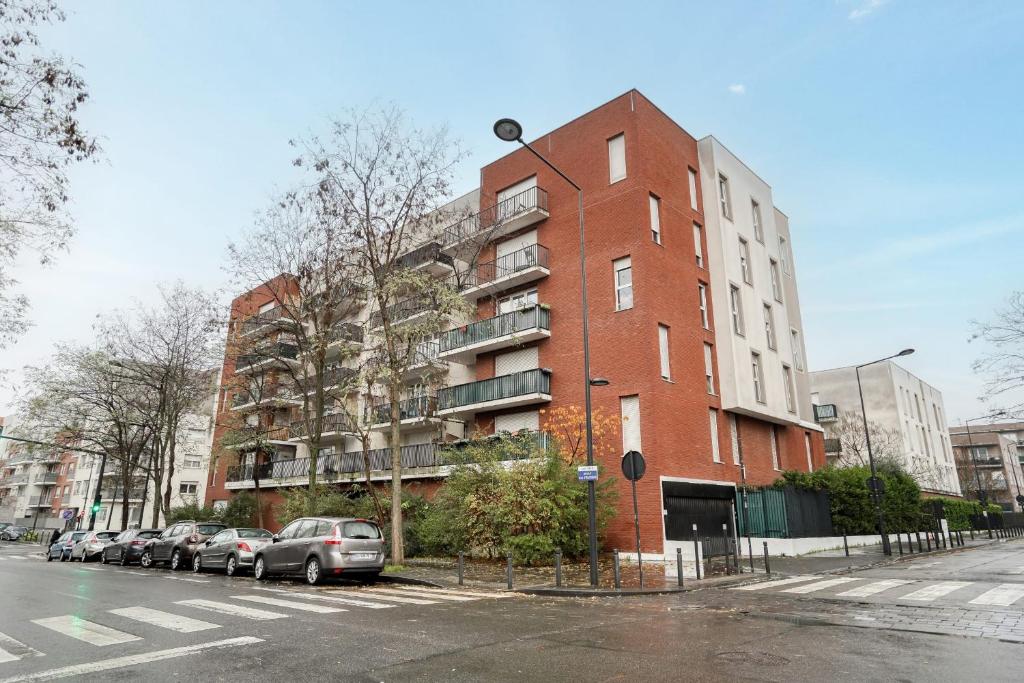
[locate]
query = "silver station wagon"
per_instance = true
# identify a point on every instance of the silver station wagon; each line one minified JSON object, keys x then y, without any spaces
{"x":318,"y":547}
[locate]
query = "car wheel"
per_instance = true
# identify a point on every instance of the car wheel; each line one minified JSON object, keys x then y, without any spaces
{"x":231,"y":566}
{"x":175,"y":560}
{"x":146,"y":561}
{"x":49,"y":557}
{"x":313,"y":573}
{"x":259,"y":568}
{"x":197,"y":563}
{"x":63,"y":556}
{"x":124,"y":559}
{"x":103,"y":557}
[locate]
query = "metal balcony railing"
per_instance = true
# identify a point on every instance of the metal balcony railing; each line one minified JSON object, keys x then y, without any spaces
{"x":333,"y":423}
{"x":409,"y":409}
{"x":277,"y":350}
{"x":18,"y":478}
{"x":276,"y":316}
{"x":424,"y":353}
{"x":45,"y":478}
{"x":494,"y":216}
{"x":345,"y":332}
{"x":530,"y":256}
{"x":536,"y":381}
{"x":513,"y":322}
{"x":833,"y":446}
{"x":427,"y":253}
{"x":415,"y":456}
{"x":262,"y":395}
{"x":826,"y":412}
{"x":402,"y":310}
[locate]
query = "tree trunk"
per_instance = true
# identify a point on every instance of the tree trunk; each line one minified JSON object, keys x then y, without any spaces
{"x":397,"y":541}
{"x":256,"y":487}
{"x":371,"y":490}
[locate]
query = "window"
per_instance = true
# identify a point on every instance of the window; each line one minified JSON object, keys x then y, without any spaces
{"x":734,"y":434}
{"x":698,"y":249}
{"x":709,"y":369}
{"x":716,"y":455}
{"x":755,"y":210}
{"x":723,"y":196}
{"x":693,"y":189}
{"x":756,"y":371}
{"x":773,"y":268}
{"x":736,"y":309}
{"x":784,"y":254}
{"x":289,"y":531}
{"x":655,"y":219}
{"x":192,"y":462}
{"x":629,"y":408}
{"x":807,"y":449}
{"x":623,"y":283}
{"x":269,"y":306}
{"x":748,"y":276}
{"x":188,"y":488}
{"x":787,"y":379}
{"x":702,"y":295}
{"x":517,"y":301}
{"x":798,"y":358}
{"x":616,"y":158}
{"x":666,"y":371}
{"x":775,"y":447}
{"x":769,"y":326}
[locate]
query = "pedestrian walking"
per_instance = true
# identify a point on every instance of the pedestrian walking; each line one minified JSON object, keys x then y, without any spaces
{"x":54,"y":536}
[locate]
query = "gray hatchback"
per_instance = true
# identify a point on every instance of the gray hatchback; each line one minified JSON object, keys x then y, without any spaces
{"x":318,"y":547}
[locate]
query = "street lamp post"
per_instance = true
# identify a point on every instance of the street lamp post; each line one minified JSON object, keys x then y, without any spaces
{"x":509,"y":130}
{"x":875,"y":494}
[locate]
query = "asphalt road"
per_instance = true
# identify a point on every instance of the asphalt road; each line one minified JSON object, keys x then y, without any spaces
{"x":111,"y":623}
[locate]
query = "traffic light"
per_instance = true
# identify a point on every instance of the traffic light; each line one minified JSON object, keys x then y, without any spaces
{"x":95,"y":507}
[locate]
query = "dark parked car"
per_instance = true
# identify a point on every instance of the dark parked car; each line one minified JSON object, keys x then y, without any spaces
{"x":13,"y":533}
{"x":321,"y":546}
{"x":62,"y":548}
{"x":178,"y":543}
{"x":128,"y":546}
{"x":230,"y":550}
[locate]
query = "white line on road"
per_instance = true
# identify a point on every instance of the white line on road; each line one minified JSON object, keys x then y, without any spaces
{"x":775,"y":583}
{"x":1004,"y":594}
{"x":872,"y":588}
{"x":432,"y":595}
{"x":468,"y":594}
{"x":935,"y":590}
{"x":87,"y":631}
{"x":93,"y":569}
{"x":327,"y":598}
{"x":15,"y":557}
{"x":13,"y":649}
{"x":235,"y":610}
{"x":131,"y":660}
{"x":155,"y":617}
{"x":182,"y":578}
{"x":389,"y":598}
{"x":278,"y":602}
{"x":819,"y":585}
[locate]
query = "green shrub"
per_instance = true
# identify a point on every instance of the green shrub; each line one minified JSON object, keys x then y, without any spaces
{"x":958,"y":512}
{"x":185,"y":512}
{"x":240,"y":510}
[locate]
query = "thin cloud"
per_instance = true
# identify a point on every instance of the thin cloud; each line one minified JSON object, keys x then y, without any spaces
{"x":738,"y":89}
{"x":869,"y":7}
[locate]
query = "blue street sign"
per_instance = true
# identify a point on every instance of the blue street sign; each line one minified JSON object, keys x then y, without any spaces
{"x":587,"y":472}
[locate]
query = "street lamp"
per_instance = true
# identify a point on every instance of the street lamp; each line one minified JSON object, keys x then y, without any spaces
{"x":886,"y":547}
{"x":510,"y":130}
{"x":982,"y":494}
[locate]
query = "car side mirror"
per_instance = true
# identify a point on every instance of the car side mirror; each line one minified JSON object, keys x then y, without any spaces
{"x":209,"y":542}
{"x":275,"y":538}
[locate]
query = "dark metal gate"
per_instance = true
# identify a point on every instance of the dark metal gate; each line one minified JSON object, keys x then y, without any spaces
{"x":709,"y":506}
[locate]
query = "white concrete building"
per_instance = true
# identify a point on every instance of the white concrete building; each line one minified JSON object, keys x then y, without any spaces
{"x":898,"y":401}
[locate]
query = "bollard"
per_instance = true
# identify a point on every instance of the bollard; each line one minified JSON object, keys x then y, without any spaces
{"x":618,"y":575}
{"x":972,"y":531}
{"x":679,"y":567}
{"x":725,"y":537}
{"x":899,"y":543}
{"x":949,"y":532}
{"x":508,"y":570}
{"x":918,"y":534}
{"x":910,"y":544}
{"x":767,"y":567}
{"x":558,"y":568}
{"x":461,"y":560}
{"x":928,"y":539}
{"x":846,"y":545}
{"x":696,"y":551}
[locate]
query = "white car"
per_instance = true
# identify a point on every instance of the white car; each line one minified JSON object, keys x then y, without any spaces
{"x":92,"y":544}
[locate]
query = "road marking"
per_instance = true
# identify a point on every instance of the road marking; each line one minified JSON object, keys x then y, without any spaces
{"x":154,"y":617}
{"x":390,"y":598}
{"x":819,"y":585}
{"x":15,"y":557}
{"x":235,"y":610}
{"x":327,"y":598}
{"x":876,"y":587}
{"x":131,"y":660}
{"x":435,"y":595}
{"x":468,"y":594}
{"x":278,"y":602}
{"x":12,"y":649}
{"x":772,"y":584}
{"x":1004,"y":594}
{"x":87,"y":631}
{"x":93,"y":569}
{"x":918,"y":565}
{"x":182,"y":578}
{"x":935,"y":590}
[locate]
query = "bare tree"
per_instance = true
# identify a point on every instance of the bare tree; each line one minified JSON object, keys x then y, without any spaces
{"x":887,"y":448}
{"x":40,"y":136}
{"x":1002,"y":364}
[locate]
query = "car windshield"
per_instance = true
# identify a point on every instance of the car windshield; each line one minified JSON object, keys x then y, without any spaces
{"x":77,"y":536}
{"x":254,"y":533}
{"x":209,"y":529}
{"x":361,"y":530}
{"x":107,"y":535}
{"x":152,"y":533}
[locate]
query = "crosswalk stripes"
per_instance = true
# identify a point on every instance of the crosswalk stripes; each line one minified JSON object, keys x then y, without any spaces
{"x":12,"y":650}
{"x":328,"y":598}
{"x":234,"y":610}
{"x":86,"y":631}
{"x":469,"y":594}
{"x":935,"y":590}
{"x":154,"y":617}
{"x":774,"y":584}
{"x":819,"y":585}
{"x":278,"y":602}
{"x":390,"y":598}
{"x":874,"y":587}
{"x":432,"y":595}
{"x":1003,"y":595}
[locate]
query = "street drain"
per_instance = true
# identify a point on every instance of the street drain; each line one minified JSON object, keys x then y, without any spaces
{"x":758,"y":658}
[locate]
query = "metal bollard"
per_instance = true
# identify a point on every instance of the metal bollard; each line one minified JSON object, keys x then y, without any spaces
{"x":846,"y":545}
{"x":725,"y":537}
{"x":918,"y":534}
{"x":910,"y":544}
{"x":899,"y":543}
{"x":509,"y":570}
{"x":972,"y":531}
{"x":767,"y":566}
{"x":461,"y":561}
{"x":696,"y":551}
{"x":558,"y":568}
{"x":928,"y":539}
{"x":618,"y":574}
{"x":679,"y":567}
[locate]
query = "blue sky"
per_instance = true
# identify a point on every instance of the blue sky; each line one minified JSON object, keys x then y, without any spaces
{"x":889,"y":131}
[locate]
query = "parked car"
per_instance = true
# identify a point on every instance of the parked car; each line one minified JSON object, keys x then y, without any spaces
{"x":62,"y":548}
{"x":91,"y":546}
{"x":231,"y":550}
{"x":127,"y":547}
{"x":315,"y":547}
{"x":4,"y":525}
{"x":13,"y":533}
{"x":178,"y":543}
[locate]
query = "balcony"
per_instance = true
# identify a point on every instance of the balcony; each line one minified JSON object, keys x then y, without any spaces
{"x":826,"y":412}
{"x":344,"y":335}
{"x":346,"y":298}
{"x":507,"y":216}
{"x":463,"y":344}
{"x":833,"y":446}
{"x":118,"y":494}
{"x":507,"y":391}
{"x":274,"y":396}
{"x":17,"y":479}
{"x":510,"y":271}
{"x":415,"y":412}
{"x":424,"y":361}
{"x":988,"y":462}
{"x":45,"y":478}
{"x":277,"y":318}
{"x":278,"y":354}
{"x":404,"y":312}
{"x":248,"y":439}
{"x":427,"y":258}
{"x":41,"y":501}
{"x":336,"y":425}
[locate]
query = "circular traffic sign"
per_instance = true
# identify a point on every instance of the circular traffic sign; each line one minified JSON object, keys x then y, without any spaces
{"x":633,"y":466}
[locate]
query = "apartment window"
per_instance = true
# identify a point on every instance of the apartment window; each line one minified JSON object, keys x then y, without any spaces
{"x":629,"y":408}
{"x":666,"y":371}
{"x":784,"y":254}
{"x":514,"y":302}
{"x":773,"y":268}
{"x":188,"y":488}
{"x":655,"y":219}
{"x":698,"y":247}
{"x":709,"y":369}
{"x":787,"y":379}
{"x":716,"y":454}
{"x":755,"y":210}
{"x":736,"y":309}
{"x":702,"y":293}
{"x":769,"y":326}
{"x":192,"y":462}
{"x":775,"y":448}
{"x":807,"y":450}
{"x":723,"y":196}
{"x":623,"y":283}
{"x":693,"y":189}
{"x":734,"y":434}
{"x":616,"y":158}
{"x":917,"y":402}
{"x":798,"y":358}
{"x":758,"y":374}
{"x":748,"y":276}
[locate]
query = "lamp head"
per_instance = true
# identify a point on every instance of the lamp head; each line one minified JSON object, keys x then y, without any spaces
{"x":905,"y":352}
{"x":508,"y":130}
{"x":599,"y":382}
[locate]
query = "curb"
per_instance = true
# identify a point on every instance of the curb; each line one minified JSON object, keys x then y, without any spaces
{"x":408,"y":580}
{"x":599,"y":593}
